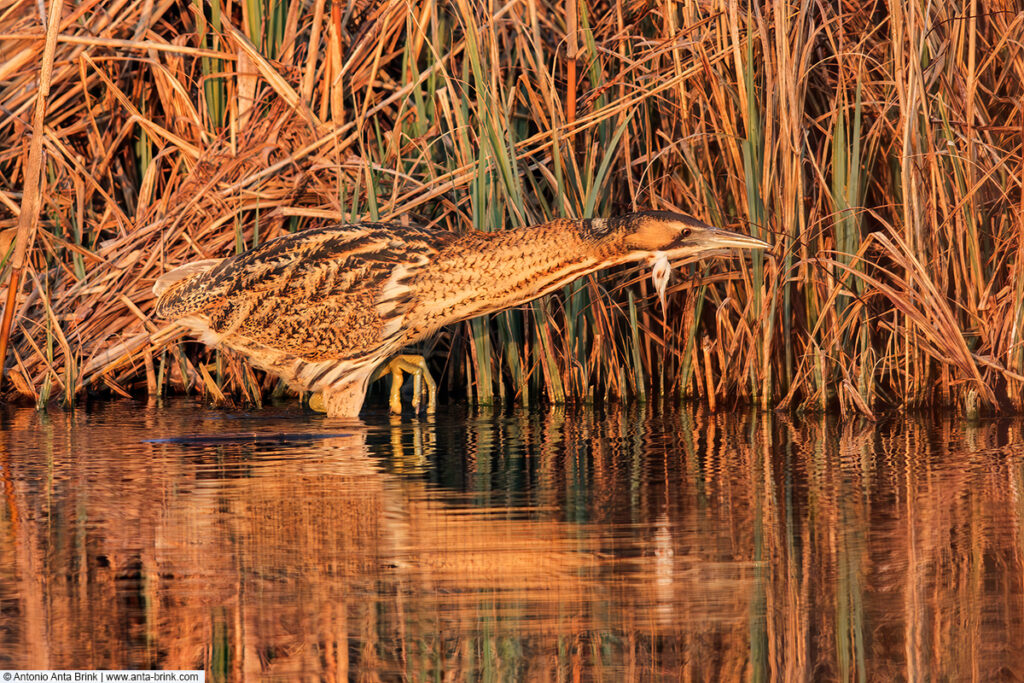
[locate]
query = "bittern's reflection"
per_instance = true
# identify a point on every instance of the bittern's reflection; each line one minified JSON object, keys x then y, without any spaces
{"x":616,"y":543}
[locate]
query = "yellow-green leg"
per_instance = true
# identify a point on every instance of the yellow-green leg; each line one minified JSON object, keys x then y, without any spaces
{"x":422,"y":382}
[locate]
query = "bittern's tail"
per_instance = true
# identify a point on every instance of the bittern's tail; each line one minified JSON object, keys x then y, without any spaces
{"x":172,"y":300}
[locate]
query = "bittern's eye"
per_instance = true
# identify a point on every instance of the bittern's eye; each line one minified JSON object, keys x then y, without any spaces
{"x":685,"y":233}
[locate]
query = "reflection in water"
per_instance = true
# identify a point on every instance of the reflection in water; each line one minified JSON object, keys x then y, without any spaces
{"x":613,"y":546}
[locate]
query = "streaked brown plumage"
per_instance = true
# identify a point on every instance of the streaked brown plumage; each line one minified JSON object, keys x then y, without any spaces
{"x":324,"y":307}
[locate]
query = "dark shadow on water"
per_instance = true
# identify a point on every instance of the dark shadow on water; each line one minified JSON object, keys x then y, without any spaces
{"x":625,"y":544}
{"x":259,"y":438}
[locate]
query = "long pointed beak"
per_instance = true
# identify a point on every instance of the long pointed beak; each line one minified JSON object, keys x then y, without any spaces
{"x":713,"y":238}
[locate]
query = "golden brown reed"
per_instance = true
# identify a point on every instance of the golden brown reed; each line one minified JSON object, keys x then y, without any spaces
{"x":879,"y":145}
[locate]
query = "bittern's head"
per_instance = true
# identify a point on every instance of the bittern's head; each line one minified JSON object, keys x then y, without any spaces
{"x":673,"y":236}
{"x":660,"y":237}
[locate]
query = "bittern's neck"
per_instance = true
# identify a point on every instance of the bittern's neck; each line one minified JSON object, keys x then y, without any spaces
{"x":484,"y":272}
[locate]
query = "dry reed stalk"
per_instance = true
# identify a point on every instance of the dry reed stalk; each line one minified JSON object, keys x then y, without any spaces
{"x":571,"y":51}
{"x":28,"y":215}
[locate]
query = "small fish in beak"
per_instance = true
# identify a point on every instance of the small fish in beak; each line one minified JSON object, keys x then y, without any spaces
{"x":661,"y":270}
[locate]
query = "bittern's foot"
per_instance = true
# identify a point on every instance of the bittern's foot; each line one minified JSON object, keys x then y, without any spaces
{"x":316,"y":402}
{"x":422,"y":383}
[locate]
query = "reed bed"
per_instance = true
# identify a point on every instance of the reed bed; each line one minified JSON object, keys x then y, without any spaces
{"x":877,"y":145}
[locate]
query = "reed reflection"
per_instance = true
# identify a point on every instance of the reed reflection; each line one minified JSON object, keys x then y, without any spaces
{"x":622,"y":544}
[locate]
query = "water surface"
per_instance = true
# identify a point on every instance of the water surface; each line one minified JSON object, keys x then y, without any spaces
{"x":567,"y":545}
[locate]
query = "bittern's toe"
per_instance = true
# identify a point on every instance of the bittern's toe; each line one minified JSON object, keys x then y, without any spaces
{"x":316,"y":402}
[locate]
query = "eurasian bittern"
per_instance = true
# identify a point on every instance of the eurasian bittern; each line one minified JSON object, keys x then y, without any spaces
{"x":323,"y":308}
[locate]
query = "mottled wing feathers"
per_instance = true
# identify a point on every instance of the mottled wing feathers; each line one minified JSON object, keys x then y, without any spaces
{"x":323,"y":293}
{"x":176,"y":286}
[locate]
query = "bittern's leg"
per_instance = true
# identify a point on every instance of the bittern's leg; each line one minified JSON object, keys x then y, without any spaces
{"x":417,"y":367}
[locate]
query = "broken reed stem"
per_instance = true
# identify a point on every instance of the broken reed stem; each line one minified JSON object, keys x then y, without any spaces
{"x":706,"y":345}
{"x":32,"y":175}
